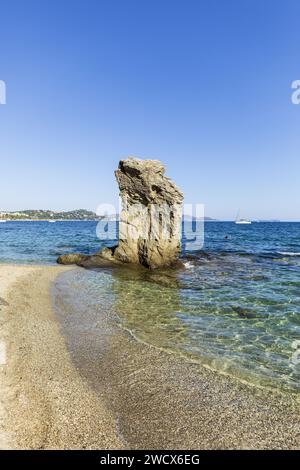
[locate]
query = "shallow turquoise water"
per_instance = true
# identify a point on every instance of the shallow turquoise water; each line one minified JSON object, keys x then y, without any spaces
{"x":235,"y":306}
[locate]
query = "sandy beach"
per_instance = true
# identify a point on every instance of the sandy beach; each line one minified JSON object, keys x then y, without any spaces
{"x":45,"y":403}
{"x":9,"y":275}
{"x":108,"y":391}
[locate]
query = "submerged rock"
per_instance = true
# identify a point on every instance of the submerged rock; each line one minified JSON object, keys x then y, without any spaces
{"x":150,"y":220}
{"x":244,"y":312}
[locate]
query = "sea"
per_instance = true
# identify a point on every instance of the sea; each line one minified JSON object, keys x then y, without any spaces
{"x":233,"y":305}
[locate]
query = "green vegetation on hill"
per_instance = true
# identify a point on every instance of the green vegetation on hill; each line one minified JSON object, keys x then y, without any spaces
{"x":78,"y":214}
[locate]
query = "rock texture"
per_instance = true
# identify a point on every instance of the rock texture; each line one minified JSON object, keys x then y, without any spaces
{"x":150,"y":220}
{"x":71,"y":258}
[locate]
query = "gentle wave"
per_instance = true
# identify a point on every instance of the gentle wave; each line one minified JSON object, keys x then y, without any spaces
{"x":288,"y":253}
{"x":270,"y":254}
{"x":188,"y":264}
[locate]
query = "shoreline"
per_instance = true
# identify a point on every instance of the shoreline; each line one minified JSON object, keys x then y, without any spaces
{"x":164,"y":401}
{"x":48,"y":404}
{"x":68,"y":387}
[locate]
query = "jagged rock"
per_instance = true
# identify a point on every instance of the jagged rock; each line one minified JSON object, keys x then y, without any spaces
{"x":71,"y":258}
{"x":150,"y":220}
{"x":102,"y":258}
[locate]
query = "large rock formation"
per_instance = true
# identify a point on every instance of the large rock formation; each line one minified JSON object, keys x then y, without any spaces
{"x":150,"y":220}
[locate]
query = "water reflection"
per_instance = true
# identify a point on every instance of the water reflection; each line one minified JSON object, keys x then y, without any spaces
{"x":225,"y":310}
{"x":148,"y":303}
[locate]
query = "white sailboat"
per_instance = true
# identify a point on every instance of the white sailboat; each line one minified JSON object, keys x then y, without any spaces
{"x":241,"y":221}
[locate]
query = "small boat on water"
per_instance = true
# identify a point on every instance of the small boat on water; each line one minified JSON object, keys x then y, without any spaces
{"x":51,"y":221}
{"x":241,"y":221}
{"x":2,"y":221}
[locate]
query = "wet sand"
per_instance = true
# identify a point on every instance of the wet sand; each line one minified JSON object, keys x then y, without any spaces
{"x":83,"y":382}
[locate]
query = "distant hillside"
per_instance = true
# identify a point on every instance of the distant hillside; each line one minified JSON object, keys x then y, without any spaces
{"x":78,"y":214}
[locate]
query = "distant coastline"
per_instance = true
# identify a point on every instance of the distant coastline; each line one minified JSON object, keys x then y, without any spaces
{"x":76,"y":215}
{"x":46,"y":215}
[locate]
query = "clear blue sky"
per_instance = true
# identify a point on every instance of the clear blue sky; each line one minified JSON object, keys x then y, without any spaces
{"x":203,"y":85}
